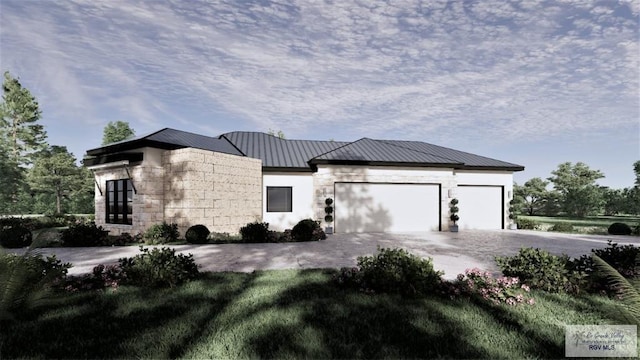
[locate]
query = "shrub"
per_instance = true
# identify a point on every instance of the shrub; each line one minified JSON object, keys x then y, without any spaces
{"x":57,"y":220}
{"x":16,"y":236}
{"x":84,"y":234}
{"x":619,"y":229}
{"x":542,"y":270}
{"x":100,"y":278}
{"x":562,"y":227}
{"x":122,"y":239}
{"x":49,"y":269}
{"x":158,"y":268}
{"x":224,"y":238}
{"x":480,"y":284}
{"x":161,"y":233}
{"x":527,"y":224}
{"x":396,"y":271}
{"x":29,"y":223}
{"x":308,"y":230}
{"x":285,"y":236}
{"x":636,"y":230}
{"x":349,"y":276}
{"x":255,"y":232}
{"x":197,"y":234}
{"x":622,"y":258}
{"x":23,"y":278}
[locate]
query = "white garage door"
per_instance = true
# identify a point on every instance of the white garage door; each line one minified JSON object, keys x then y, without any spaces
{"x":361,"y":207}
{"x":480,"y":207}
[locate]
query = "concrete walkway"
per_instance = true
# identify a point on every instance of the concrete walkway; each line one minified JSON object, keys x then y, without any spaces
{"x":451,"y":252}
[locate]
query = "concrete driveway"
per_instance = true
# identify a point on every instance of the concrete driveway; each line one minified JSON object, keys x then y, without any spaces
{"x":451,"y":252}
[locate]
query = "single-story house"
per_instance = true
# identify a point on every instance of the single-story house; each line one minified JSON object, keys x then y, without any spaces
{"x":240,"y":177}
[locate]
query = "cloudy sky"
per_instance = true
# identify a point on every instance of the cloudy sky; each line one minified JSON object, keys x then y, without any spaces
{"x":532,"y":82}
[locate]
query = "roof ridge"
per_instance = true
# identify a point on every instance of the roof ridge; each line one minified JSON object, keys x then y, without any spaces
{"x":336,"y":149}
{"x":232,"y":144}
{"x":418,"y":151}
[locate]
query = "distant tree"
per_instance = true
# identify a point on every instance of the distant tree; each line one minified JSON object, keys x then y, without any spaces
{"x":614,"y":201}
{"x":55,"y":172}
{"x":534,"y":194}
{"x":117,"y":131}
{"x":19,"y":113}
{"x":83,"y":200}
{"x":636,"y":170}
{"x":576,"y":184}
{"x":20,"y":138}
{"x":11,"y":179}
{"x":279,"y":133}
{"x":631,"y":197}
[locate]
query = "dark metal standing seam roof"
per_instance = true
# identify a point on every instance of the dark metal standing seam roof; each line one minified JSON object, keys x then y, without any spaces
{"x":376,"y":151}
{"x":468,"y":159}
{"x":277,"y":153}
{"x":280,"y":153}
{"x":283,"y":154}
{"x":169,"y":139}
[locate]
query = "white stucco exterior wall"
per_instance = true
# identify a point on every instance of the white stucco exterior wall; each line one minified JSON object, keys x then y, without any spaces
{"x":301,"y":197}
{"x":502,"y":179}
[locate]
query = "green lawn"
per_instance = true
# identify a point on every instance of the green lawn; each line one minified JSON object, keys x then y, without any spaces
{"x":293,"y":314}
{"x":601,"y":222}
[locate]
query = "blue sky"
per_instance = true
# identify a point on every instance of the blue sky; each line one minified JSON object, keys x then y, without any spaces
{"x":531,"y":82}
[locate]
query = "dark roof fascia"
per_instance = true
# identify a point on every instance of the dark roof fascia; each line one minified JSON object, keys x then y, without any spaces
{"x":109,"y":158}
{"x":131,"y":145}
{"x":286,"y":169}
{"x":381,"y":163}
{"x":491,"y":168}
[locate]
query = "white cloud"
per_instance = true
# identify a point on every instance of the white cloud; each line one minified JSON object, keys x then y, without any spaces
{"x":493,"y":69}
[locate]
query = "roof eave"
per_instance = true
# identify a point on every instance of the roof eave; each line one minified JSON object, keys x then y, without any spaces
{"x":492,"y":168}
{"x":286,"y":169}
{"x":382,"y":163}
{"x":131,"y":145}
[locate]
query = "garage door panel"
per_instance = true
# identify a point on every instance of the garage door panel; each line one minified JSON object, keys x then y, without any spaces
{"x":480,"y":207}
{"x":367,"y":207}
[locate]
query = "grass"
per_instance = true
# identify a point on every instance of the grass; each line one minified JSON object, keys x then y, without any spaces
{"x":293,"y":314}
{"x":592,"y":224}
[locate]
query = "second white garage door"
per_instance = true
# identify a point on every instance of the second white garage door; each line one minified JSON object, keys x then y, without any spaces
{"x":370,"y":207}
{"x":480,"y":207}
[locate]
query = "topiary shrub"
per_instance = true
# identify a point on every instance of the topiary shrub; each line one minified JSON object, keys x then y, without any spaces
{"x":161,"y":233}
{"x":15,"y":237}
{"x":396,"y":271}
{"x":158,"y":268}
{"x":562,"y":227}
{"x":197,"y":234}
{"x":619,"y":229}
{"x":542,"y":270}
{"x":255,"y":232}
{"x":308,"y":230}
{"x":84,"y":234}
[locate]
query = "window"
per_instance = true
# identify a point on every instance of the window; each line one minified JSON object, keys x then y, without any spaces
{"x":119,"y":202}
{"x":279,"y":199}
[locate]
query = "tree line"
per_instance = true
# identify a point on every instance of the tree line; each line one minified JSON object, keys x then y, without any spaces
{"x":36,"y":177}
{"x":574,"y":192}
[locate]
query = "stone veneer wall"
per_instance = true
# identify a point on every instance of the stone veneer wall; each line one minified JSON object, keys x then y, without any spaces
{"x":148,"y":200}
{"x":220,"y":191}
{"x":327,"y":175}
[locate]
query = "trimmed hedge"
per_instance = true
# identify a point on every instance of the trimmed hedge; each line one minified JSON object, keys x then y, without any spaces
{"x":197,"y":234}
{"x":619,"y":229}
